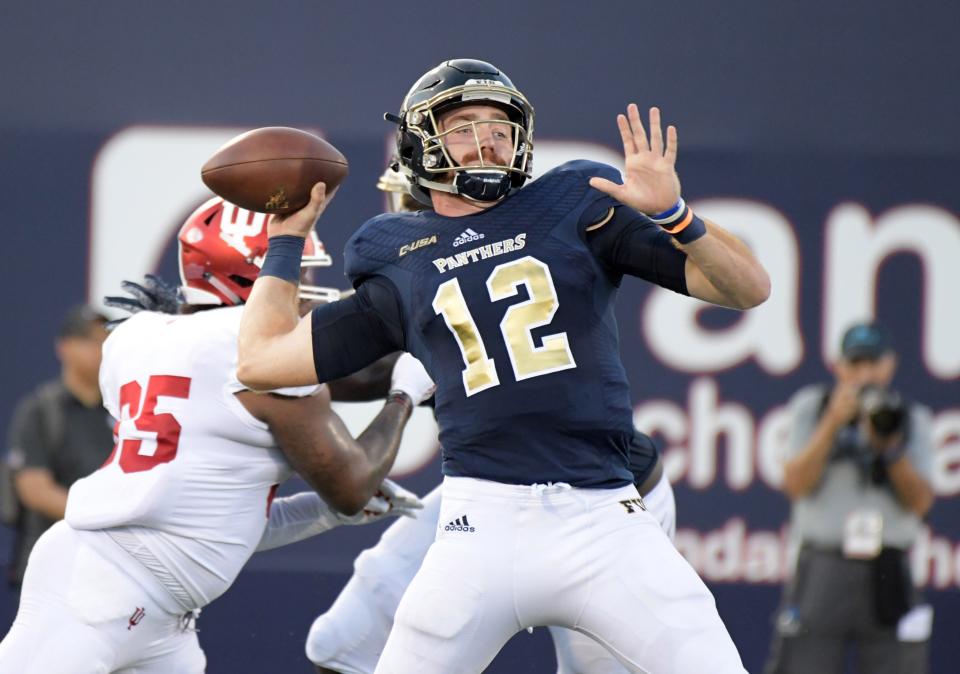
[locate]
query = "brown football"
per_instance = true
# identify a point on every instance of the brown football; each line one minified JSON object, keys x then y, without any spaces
{"x":273,"y":169}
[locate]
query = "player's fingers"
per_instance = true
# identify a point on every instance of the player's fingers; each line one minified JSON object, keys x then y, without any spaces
{"x":388,"y":488}
{"x":626,"y":135}
{"x":318,"y":193}
{"x":407,"y":502}
{"x":606,"y":186}
{"x":377,"y":505}
{"x":671,"y":152}
{"x":636,"y":124}
{"x":318,"y":200}
{"x":656,"y":135}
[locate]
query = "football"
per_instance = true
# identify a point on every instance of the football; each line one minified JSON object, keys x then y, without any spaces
{"x":272,"y":170}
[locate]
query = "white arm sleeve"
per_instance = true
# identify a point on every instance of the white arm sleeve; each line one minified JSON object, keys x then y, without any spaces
{"x":295,"y":518}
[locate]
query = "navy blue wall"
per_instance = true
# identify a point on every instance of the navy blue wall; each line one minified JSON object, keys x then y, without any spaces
{"x":802,"y":106}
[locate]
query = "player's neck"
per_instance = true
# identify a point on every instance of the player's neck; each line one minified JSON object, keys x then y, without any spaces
{"x":454,"y":206}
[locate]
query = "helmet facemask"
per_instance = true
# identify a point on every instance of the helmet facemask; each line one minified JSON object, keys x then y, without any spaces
{"x":422,"y":151}
{"x":486,"y":180}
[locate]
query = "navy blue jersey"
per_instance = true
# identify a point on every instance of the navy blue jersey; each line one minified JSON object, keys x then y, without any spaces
{"x":511,"y":313}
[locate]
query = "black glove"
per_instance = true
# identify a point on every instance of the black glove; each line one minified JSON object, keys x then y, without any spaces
{"x":154,"y":294}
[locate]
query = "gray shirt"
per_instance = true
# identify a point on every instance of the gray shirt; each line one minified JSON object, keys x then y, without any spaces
{"x":51,"y":429}
{"x":846,"y":485}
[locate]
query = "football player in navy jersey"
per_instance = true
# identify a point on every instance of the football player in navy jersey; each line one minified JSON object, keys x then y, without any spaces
{"x":349,"y":637}
{"x":506,"y":296}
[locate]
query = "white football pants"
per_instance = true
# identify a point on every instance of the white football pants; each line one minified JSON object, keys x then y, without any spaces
{"x":350,"y":636}
{"x":508,"y":557}
{"x":577,"y":653}
{"x":83,"y":613}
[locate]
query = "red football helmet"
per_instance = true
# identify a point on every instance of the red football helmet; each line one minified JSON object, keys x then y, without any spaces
{"x":222,"y":247}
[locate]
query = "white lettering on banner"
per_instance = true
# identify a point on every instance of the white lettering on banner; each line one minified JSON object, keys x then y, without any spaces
{"x":755,"y":446}
{"x":731,"y":554}
{"x":946,"y":438}
{"x":773,"y":436}
{"x":770,"y":334}
{"x":935,"y":561}
{"x":734,"y":554}
{"x":713,"y":419}
{"x":856,"y":247}
{"x":708,"y":423}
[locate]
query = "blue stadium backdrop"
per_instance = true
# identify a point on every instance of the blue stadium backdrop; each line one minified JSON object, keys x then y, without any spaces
{"x":845,"y":186}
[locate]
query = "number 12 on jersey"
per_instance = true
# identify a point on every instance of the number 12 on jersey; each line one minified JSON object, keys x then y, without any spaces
{"x":528,"y":360}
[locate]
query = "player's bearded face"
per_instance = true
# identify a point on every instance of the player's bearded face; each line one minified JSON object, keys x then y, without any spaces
{"x":477,"y":135}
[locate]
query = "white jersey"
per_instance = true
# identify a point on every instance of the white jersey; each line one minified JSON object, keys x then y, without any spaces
{"x":187,"y":489}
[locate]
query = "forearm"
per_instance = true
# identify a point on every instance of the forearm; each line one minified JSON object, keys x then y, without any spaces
{"x":911,"y":489}
{"x":370,"y":383}
{"x":345,"y":471}
{"x":296,"y":518}
{"x":735,"y":278}
{"x":270,"y":312}
{"x":802,"y":472}
{"x":41,"y":494}
{"x":381,"y":440}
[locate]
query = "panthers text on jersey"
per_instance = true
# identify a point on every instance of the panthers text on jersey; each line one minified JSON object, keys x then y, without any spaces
{"x":511,"y":313}
{"x":193,"y":473}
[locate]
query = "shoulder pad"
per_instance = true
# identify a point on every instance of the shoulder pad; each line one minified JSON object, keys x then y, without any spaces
{"x":374,"y":245}
{"x":589,"y":169}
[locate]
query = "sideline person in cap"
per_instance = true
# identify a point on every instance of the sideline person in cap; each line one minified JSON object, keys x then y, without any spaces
{"x":858,"y":477}
{"x":59,"y":433}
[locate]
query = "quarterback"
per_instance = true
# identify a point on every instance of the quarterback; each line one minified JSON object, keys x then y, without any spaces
{"x":509,"y":306}
{"x":349,"y":637}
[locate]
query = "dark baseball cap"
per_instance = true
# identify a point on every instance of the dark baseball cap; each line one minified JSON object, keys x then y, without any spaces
{"x":865,"y":341}
{"x":78,"y":321}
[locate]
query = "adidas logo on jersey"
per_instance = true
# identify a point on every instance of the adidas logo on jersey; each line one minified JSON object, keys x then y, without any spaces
{"x":466,"y":237}
{"x":460,"y":524}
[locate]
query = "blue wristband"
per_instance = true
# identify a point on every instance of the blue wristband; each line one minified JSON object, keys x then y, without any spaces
{"x":691,"y":232}
{"x":284,"y":254}
{"x":668,"y":215}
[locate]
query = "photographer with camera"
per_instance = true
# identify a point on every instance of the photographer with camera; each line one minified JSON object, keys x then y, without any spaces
{"x":858,"y":477}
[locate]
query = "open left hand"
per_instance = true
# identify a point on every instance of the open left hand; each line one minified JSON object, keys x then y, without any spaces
{"x":391,"y":500}
{"x":651,"y":184}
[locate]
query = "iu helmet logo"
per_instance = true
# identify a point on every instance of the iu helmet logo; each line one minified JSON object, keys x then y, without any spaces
{"x":222,"y":248}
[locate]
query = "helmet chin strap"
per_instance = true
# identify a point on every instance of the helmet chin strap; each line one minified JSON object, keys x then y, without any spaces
{"x":482,"y":186}
{"x":222,"y":287}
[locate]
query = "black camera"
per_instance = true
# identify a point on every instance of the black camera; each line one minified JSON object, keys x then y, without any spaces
{"x":884,"y":408}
